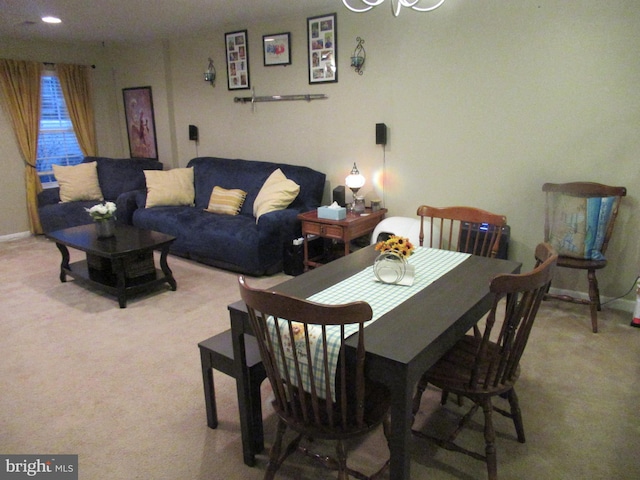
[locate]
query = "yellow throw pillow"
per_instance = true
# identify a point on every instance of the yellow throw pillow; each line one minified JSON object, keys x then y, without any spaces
{"x":78,"y":182}
{"x":226,"y":202}
{"x":169,"y":188}
{"x":277,"y":193}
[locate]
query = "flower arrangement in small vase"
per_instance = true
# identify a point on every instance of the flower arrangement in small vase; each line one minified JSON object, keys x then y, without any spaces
{"x":102,"y":211}
{"x":391,"y":264}
{"x":104,"y":214}
{"x":401,"y":245}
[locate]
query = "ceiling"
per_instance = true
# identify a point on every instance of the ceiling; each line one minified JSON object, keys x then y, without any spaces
{"x":144,"y":20}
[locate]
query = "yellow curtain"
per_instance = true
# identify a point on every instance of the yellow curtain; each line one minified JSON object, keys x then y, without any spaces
{"x":20,"y":86}
{"x":76,"y":88}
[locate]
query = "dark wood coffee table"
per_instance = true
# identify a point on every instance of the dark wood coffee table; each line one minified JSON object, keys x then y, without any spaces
{"x":121,"y":265}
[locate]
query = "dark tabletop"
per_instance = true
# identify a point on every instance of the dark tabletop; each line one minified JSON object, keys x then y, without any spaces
{"x":128,"y":239}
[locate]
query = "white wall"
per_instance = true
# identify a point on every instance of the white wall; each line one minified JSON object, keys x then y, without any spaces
{"x":485,"y":101}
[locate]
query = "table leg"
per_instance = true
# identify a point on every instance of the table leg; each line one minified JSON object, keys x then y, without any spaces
{"x":209,"y":389}
{"x":251,"y":433}
{"x":401,"y":421}
{"x":165,"y":268}
{"x":64,"y":265}
{"x":121,"y":281}
{"x":306,"y":253}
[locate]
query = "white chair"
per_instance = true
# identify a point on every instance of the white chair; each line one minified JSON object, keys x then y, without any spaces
{"x":403,"y":226}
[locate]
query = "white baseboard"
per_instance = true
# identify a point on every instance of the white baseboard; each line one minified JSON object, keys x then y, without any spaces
{"x":618,"y":304}
{"x":14,"y":236}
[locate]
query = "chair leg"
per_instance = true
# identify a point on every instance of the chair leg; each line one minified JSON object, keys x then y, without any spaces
{"x":422,"y":385}
{"x":516,"y":414}
{"x":490,"y":440}
{"x":341,"y":455}
{"x":274,"y":455}
{"x":594,"y":298}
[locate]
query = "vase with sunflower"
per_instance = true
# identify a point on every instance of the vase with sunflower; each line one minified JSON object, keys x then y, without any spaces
{"x":391,"y":265}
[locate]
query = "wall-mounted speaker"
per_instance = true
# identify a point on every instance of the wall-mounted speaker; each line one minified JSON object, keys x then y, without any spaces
{"x":381,"y":134}
{"x":193,"y":132}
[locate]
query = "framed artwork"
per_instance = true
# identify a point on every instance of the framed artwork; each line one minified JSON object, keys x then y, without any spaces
{"x":141,"y":125}
{"x":276,"y":49}
{"x":322,"y":37}
{"x":237,"y":49}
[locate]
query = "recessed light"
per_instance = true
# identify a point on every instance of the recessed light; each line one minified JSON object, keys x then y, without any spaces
{"x":51,"y":20}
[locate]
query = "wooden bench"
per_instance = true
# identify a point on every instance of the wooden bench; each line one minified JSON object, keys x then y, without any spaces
{"x":217,"y":353}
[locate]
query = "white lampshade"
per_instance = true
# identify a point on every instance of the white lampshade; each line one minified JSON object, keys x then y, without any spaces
{"x":354,"y":180}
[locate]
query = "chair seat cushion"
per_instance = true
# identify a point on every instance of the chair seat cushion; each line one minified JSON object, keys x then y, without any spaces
{"x":453,"y":371}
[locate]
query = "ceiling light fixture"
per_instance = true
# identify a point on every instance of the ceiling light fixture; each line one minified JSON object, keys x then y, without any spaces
{"x":396,"y":5}
{"x":51,"y":20}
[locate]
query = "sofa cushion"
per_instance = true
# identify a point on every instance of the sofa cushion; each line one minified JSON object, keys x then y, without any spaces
{"x":250,"y":175}
{"x":171,"y":188}
{"x":277,"y":193}
{"x":120,"y":175}
{"x":78,"y":182}
{"x":226,"y":202}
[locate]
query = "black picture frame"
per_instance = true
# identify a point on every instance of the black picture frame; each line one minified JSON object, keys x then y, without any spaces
{"x":276,"y":49}
{"x":236,"y":46}
{"x":322,"y":48}
{"x":140,"y":120}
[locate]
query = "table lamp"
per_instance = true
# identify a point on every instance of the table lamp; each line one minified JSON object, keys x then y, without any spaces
{"x":354,"y":181}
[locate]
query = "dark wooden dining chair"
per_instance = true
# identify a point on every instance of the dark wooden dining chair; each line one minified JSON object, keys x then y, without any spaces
{"x":579,"y":220}
{"x":462,"y":229}
{"x":291,"y":335}
{"x":483,"y":368}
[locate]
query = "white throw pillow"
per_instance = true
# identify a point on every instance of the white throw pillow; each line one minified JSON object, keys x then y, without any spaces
{"x":277,"y":193}
{"x":78,"y":182}
{"x":169,"y":188}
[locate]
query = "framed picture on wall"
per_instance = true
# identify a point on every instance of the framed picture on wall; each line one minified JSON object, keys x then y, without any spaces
{"x":276,"y":49}
{"x":237,"y":48}
{"x":141,"y":125}
{"x":322,"y":48}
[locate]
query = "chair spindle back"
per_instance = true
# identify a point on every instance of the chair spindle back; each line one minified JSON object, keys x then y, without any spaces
{"x":462,"y":229}
{"x":292,"y":335}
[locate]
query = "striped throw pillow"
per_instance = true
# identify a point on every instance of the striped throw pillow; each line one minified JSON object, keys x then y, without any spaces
{"x":226,"y":202}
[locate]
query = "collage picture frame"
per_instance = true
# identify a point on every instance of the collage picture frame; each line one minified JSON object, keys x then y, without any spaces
{"x":322,"y":48}
{"x":237,"y":55}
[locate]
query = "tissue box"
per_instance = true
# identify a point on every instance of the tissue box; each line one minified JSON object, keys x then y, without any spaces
{"x":332,"y":213}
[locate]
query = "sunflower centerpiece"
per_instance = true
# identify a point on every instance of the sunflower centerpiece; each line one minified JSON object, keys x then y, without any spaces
{"x":391,"y":264}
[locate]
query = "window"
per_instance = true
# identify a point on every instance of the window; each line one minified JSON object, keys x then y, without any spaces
{"x":57,"y":143}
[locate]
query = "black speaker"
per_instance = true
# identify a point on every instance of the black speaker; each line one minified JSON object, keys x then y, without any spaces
{"x":381,"y":134}
{"x":193,"y":132}
{"x":503,"y":246}
{"x":338,"y":195}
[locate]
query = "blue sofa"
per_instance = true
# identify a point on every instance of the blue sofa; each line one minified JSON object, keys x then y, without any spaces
{"x":232,"y":242}
{"x":115,"y":176}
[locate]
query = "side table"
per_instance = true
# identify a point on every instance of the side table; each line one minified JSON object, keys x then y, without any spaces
{"x":353,"y":226}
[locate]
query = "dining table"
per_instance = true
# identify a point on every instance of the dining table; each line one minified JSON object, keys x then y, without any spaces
{"x":401,"y":344}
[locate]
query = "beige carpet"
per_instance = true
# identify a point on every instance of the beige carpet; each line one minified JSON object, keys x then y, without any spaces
{"x":122,"y":387}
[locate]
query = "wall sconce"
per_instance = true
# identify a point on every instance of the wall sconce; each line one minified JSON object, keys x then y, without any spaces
{"x":359,"y":56}
{"x":210,"y":74}
{"x":355,"y":181}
